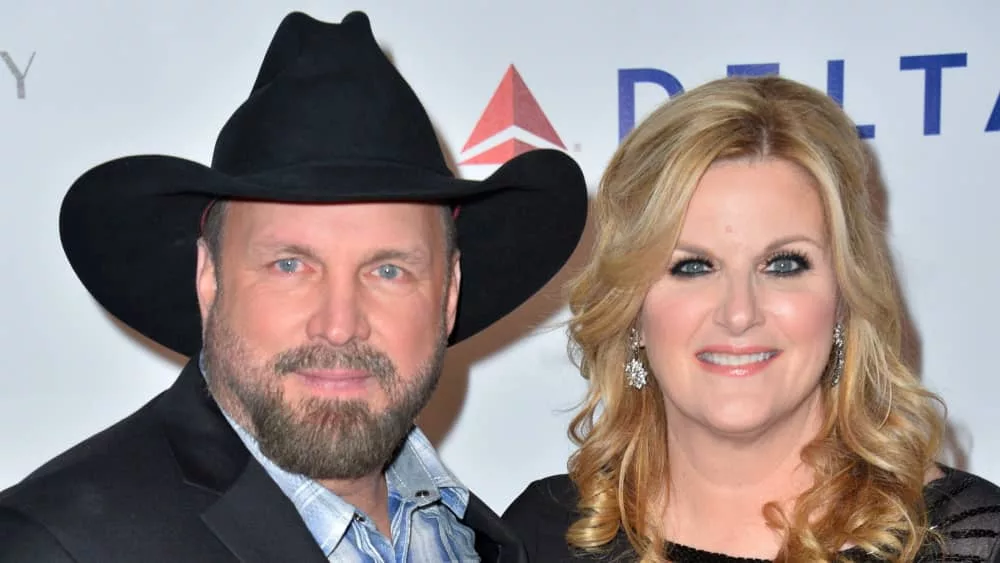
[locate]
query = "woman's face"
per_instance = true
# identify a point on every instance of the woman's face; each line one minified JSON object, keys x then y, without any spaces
{"x":739,"y":327}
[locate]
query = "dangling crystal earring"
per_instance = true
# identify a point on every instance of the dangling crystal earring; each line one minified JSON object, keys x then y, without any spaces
{"x":635,"y":372}
{"x":838,"y":354}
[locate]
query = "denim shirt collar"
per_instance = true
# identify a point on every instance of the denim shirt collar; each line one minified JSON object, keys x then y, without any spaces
{"x":417,"y":475}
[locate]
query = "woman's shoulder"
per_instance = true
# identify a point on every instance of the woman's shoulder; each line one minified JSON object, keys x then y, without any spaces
{"x":964,"y":510}
{"x":552,"y":496}
{"x":958,"y":491}
{"x":541,"y":516}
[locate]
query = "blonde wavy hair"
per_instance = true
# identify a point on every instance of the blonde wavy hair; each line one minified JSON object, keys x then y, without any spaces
{"x":881,"y":431}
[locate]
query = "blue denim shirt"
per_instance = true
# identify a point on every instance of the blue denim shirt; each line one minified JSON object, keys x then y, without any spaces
{"x":426,"y":503}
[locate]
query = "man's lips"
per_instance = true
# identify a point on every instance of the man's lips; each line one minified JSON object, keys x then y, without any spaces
{"x":334,"y":380}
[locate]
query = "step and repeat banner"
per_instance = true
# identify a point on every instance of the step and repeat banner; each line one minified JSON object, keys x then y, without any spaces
{"x":84,"y":82}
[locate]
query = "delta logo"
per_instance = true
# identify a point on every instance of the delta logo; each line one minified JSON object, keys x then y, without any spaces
{"x":511,"y":124}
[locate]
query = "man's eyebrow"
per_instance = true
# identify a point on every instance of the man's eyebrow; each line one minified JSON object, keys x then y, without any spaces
{"x":416,"y":256}
{"x":276,"y":247}
{"x":410,"y":256}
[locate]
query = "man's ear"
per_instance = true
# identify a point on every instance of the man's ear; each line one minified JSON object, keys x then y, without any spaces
{"x":206,"y":280}
{"x":454,"y":288}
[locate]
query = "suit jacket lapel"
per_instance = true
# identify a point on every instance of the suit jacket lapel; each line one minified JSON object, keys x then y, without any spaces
{"x":495,"y":542}
{"x":252,"y":516}
{"x":258,"y":523}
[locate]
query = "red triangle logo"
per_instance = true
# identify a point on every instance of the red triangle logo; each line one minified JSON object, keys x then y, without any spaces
{"x":501,"y":153}
{"x":512,"y":104}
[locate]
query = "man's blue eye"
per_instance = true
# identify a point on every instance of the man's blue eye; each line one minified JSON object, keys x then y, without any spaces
{"x":288,"y":265}
{"x":389,"y":271}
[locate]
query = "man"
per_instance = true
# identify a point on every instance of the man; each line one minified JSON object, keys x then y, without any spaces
{"x":312,"y":275}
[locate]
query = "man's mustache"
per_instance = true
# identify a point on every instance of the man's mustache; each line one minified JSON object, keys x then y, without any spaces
{"x":321,"y":357}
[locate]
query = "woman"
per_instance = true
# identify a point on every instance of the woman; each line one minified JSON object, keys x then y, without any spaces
{"x":740,"y":328}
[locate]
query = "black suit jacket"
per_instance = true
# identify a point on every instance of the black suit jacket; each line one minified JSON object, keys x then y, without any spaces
{"x":174,"y":483}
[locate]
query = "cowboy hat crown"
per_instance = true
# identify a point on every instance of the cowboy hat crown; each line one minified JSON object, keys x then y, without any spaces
{"x":327,"y":96}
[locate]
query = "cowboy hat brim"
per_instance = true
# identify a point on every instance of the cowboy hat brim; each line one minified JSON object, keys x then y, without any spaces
{"x":129,"y":229}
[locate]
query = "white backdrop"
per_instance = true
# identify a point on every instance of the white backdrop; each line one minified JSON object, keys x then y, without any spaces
{"x":121,"y":77}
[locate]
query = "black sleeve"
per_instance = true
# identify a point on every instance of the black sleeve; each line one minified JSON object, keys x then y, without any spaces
{"x":965,"y":512}
{"x":541,"y":516}
{"x":520,"y":516}
{"x":26,"y":541}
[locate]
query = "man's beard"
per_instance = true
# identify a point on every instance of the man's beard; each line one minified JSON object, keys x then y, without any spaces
{"x":317,"y":437}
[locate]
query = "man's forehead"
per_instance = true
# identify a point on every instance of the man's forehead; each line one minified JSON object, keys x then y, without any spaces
{"x":336,"y":214}
{"x":386,"y":221}
{"x":258,"y":206}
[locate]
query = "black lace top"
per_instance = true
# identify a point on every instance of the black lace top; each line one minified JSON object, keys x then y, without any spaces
{"x":964,"y":510}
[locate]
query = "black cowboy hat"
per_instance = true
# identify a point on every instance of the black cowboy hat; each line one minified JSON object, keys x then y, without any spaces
{"x":329,"y":119}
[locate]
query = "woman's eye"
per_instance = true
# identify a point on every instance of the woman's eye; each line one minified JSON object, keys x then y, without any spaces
{"x":691,"y":267}
{"x":787,"y":265}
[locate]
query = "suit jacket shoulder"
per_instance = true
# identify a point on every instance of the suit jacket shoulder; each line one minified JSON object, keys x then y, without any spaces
{"x":116,"y":496}
{"x":22,"y":539}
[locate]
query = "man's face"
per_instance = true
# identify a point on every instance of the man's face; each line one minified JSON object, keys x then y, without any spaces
{"x":325,"y":327}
